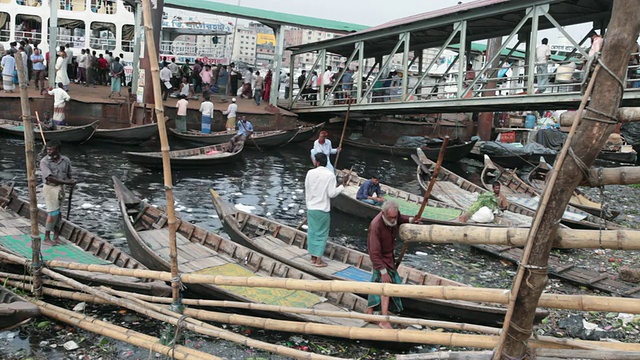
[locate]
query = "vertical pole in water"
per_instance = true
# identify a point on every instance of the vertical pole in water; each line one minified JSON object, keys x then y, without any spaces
{"x":136,"y":48}
{"x":53,"y":41}
{"x":164,"y":143}
{"x":36,"y":264}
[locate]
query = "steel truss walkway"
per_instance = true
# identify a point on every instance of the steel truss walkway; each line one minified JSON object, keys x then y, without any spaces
{"x":513,"y":73}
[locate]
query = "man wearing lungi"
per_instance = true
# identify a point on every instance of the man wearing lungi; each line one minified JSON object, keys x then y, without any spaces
{"x":60,"y":99}
{"x":56,"y":172}
{"x":320,"y":188}
{"x":383,"y":231}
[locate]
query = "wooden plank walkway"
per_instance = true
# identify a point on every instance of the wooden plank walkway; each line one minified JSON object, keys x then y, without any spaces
{"x":569,"y":272}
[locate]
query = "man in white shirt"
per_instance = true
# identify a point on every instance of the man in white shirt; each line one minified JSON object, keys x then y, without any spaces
{"x":165,"y":79}
{"x":320,"y":187}
{"x":231,"y":111}
{"x":60,"y":99}
{"x":323,"y":145}
{"x":326,"y":77}
{"x":175,"y":73}
{"x":206,"y":109}
{"x":543,"y":55}
{"x":82,"y":68}
{"x":596,"y":43}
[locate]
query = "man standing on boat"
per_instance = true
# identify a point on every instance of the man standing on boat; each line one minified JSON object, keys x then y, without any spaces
{"x":383,"y":231}
{"x":323,"y":145}
{"x":60,"y":99}
{"x":367,"y":189}
{"x":319,"y":187}
{"x":56,"y":172}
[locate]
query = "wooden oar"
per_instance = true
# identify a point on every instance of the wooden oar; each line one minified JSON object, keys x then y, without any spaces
{"x":40,"y":127}
{"x":344,"y":130}
{"x":69,"y":203}
{"x":432,"y":182}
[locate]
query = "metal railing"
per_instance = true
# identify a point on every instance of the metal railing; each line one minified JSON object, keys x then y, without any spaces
{"x":191,"y":49}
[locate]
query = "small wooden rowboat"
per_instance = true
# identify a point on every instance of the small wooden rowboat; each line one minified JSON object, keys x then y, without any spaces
{"x":532,"y":185}
{"x":204,"y":252}
{"x":65,"y":134}
{"x":306,"y":133}
{"x":524,"y":199}
{"x":287,"y":245}
{"x":196,"y":137}
{"x":79,"y":245}
{"x":14,"y":310}
{"x":454,"y":152}
{"x":189,"y":158}
{"x":132,"y":135}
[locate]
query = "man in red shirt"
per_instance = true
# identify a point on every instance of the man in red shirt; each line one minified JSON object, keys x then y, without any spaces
{"x":383,"y":232}
{"x":103,"y":66}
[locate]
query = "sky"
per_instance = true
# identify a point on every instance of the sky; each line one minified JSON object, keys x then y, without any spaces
{"x":363,"y":12}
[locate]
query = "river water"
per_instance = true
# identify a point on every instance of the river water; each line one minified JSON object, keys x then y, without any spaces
{"x":270,"y":182}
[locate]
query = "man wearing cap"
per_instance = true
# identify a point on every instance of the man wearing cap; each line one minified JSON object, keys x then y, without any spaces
{"x":56,"y":172}
{"x":231,"y":113}
{"x":367,"y":189}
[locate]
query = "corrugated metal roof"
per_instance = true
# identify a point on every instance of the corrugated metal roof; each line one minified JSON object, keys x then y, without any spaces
{"x":266,"y":17}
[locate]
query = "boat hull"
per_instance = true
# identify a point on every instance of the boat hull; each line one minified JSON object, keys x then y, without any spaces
{"x":204,"y":139}
{"x":14,"y":310}
{"x":128,"y":136}
{"x":190,"y":158}
{"x":453,"y":153}
{"x":66,"y":134}
{"x":307,"y":133}
{"x":270,"y":139}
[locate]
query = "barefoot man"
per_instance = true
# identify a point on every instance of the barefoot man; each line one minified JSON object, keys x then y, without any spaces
{"x":56,"y":172}
{"x":383,"y":232}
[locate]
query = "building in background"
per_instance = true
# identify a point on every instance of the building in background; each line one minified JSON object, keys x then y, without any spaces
{"x":244,"y":45}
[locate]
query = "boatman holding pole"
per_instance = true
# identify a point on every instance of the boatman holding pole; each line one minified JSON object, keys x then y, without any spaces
{"x":383,"y":231}
{"x":56,"y":172}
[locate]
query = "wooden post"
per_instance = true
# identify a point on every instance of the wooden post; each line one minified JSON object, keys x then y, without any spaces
{"x":427,"y":193}
{"x":36,"y":266}
{"x":166,"y":161}
{"x":590,"y":135}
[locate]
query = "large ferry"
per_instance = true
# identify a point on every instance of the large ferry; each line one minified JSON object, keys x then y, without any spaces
{"x":108,"y":25}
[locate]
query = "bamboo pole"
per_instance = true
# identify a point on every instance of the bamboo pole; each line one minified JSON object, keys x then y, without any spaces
{"x":175,"y":319}
{"x":427,"y":194}
{"x":565,"y":238}
{"x":344,"y":130}
{"x":119,"y":333}
{"x":499,"y":296}
{"x":31,"y":176}
{"x":590,"y":135}
{"x":164,"y":148}
{"x":624,"y":175}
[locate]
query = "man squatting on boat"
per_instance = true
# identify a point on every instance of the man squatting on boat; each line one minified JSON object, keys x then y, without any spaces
{"x":56,"y":172}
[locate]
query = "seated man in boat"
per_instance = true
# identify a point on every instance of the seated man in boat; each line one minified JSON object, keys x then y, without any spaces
{"x":367,"y":189}
{"x":47,"y":123}
{"x":56,"y":172}
{"x":483,"y":209}
{"x":383,"y":231}
{"x":245,"y":129}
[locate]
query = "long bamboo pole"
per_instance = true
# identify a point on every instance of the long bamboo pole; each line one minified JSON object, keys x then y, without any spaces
{"x":344,"y":131}
{"x":624,"y":175}
{"x":164,"y":147}
{"x":427,"y":194}
{"x":565,"y":238}
{"x":591,"y":134}
{"x":31,"y":176}
{"x":499,"y":296}
{"x":175,"y":319}
{"x":119,"y":333}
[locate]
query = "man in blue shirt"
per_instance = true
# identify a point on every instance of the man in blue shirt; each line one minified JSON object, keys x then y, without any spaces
{"x":366,"y":191}
{"x":245,"y":129}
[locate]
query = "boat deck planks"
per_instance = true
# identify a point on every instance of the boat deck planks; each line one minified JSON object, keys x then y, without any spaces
{"x":574,"y":274}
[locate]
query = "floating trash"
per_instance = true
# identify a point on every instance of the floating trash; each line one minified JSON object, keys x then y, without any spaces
{"x":237,"y":194}
{"x":86,"y":206}
{"x":245,"y":208}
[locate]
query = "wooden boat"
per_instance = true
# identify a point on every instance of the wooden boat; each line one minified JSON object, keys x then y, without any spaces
{"x":436,"y":212}
{"x":270,"y":139}
{"x":618,"y":156}
{"x":454,"y":151}
{"x":65,"y":134}
{"x":133,"y":135}
{"x":455,"y":190}
{"x":189,"y":158}
{"x":306,"y":133}
{"x":532,"y":184}
{"x":14,"y":310}
{"x":287,"y":244}
{"x":204,"y":252}
{"x":197,"y":137}
{"x":79,"y":245}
